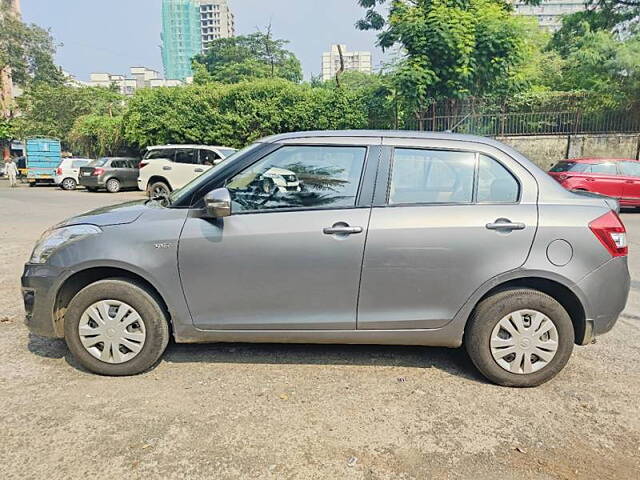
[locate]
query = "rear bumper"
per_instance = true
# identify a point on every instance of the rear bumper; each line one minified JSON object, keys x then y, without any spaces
{"x":39,"y":290}
{"x":606,"y":290}
{"x":91,"y":182}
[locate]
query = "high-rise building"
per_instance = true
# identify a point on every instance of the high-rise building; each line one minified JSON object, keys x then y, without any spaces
{"x":188,"y":27}
{"x":353,"y":62}
{"x":549,"y":13}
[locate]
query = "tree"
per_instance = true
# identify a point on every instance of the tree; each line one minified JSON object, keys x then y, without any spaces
{"x":97,"y":135}
{"x":231,"y":60}
{"x":52,"y":110}
{"x":28,"y":51}
{"x":451,"y":48}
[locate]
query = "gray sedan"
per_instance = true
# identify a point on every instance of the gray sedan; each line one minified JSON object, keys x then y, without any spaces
{"x":112,"y":174}
{"x":391,"y":238}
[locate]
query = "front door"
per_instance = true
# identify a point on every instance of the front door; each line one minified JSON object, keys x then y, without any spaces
{"x":290,"y":255}
{"x":631,"y":174}
{"x":452,"y":220}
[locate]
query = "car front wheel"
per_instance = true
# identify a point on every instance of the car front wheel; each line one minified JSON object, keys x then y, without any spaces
{"x":520,"y":338}
{"x":116,"y":327}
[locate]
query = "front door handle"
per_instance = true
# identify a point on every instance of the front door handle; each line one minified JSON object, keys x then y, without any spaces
{"x":198,"y":170}
{"x":167,"y":168}
{"x":505,"y":225}
{"x":342,"y":229}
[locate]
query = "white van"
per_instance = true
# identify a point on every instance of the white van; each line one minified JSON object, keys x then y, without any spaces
{"x":165,"y":168}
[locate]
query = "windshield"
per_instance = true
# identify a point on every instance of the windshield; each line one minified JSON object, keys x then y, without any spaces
{"x":570,"y":167}
{"x":227,"y":152}
{"x":181,"y":193}
{"x":101,"y":162}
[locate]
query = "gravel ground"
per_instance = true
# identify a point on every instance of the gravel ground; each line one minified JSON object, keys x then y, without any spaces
{"x":297,"y":411}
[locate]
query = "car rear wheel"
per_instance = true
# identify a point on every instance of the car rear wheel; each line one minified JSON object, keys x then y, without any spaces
{"x":68,"y":184}
{"x":158,"y":189}
{"x":116,"y":327}
{"x":113,"y":185}
{"x":520,"y":338}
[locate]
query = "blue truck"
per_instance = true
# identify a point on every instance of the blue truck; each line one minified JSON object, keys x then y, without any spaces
{"x":43,"y":157}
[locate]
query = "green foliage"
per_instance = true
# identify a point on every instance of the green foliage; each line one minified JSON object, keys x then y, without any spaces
{"x":246,"y":57}
{"x":52,"y":110}
{"x":28,"y":50}
{"x":453,"y":48}
{"x":235,"y":115}
{"x":6,"y":130}
{"x":97,"y":135}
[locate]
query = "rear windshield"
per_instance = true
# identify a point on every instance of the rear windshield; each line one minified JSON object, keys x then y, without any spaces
{"x":101,"y":162}
{"x":570,"y":167}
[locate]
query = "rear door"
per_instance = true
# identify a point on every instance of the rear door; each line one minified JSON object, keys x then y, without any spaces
{"x":605,"y":179}
{"x":447,"y":217}
{"x":186,"y":167}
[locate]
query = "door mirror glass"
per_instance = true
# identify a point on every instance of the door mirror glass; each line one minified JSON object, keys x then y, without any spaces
{"x":218,"y":203}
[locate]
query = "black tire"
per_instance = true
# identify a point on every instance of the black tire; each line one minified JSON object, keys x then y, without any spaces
{"x":156,"y":188}
{"x":68,"y":184}
{"x":32,"y":184}
{"x":113,"y":185}
{"x":138,"y":297}
{"x":494,"y":308}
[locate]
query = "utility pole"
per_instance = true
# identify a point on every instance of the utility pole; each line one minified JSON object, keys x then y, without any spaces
{"x":9,"y":7}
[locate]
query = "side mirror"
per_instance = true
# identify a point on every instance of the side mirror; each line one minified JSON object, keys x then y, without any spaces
{"x":218,"y":203}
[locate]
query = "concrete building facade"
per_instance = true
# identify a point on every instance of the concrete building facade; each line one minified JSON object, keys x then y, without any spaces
{"x":549,"y":13}
{"x":140,"y":77}
{"x":353,"y":62}
{"x":188,"y":28}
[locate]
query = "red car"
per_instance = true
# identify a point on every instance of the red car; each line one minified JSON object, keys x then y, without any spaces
{"x":615,"y":177}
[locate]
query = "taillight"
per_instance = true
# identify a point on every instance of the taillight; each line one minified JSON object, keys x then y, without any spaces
{"x":562,"y":178}
{"x":611,"y":232}
{"x":97,"y":171}
{"x":143,"y":164}
{"x":58,"y":171}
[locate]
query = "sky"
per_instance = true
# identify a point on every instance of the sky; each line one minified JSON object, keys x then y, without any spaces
{"x":113,"y":35}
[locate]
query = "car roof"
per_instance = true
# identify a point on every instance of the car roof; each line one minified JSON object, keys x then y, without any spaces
{"x":598,"y":160}
{"x":404,"y":134}
{"x":158,"y":147}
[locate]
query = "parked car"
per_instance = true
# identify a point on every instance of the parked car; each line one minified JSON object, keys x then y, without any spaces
{"x":43,"y":157}
{"x":112,"y":174}
{"x":618,"y":178}
{"x":68,"y":172}
{"x":405,"y":238}
{"x":168,"y":167}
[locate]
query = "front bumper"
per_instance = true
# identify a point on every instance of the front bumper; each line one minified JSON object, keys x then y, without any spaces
{"x":606,"y":290}
{"x":39,"y":289}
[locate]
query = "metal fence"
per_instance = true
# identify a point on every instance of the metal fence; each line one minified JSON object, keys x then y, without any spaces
{"x":499,"y":119}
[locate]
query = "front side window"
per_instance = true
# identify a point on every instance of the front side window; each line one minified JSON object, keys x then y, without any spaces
{"x":302,"y":177}
{"x":432,"y":176}
{"x":630,"y":169}
{"x":209,"y":157}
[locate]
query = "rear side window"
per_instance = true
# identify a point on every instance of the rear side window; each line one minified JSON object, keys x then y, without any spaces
{"x":432,"y":176}
{"x":161,"y":153}
{"x":631,"y":169}
{"x":209,"y":157}
{"x":495,"y":183}
{"x":572,"y":167}
{"x":101,"y":162}
{"x":189,"y":156}
{"x":607,"y":168}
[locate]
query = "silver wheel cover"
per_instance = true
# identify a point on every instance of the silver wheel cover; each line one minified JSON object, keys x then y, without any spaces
{"x":112,"y":331}
{"x":524,"y":342}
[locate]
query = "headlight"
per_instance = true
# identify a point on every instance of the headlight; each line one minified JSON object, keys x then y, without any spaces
{"x":51,"y":240}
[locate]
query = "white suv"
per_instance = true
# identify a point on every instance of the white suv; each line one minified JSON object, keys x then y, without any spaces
{"x":165,"y":168}
{"x":66,"y":176}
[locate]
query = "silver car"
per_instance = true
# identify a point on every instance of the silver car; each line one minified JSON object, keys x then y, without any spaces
{"x":395,"y":238}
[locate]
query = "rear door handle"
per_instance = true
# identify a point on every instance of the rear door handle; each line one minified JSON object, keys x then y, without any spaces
{"x":198,"y":170}
{"x":506,"y":225}
{"x":167,"y":168}
{"x":342,"y":229}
